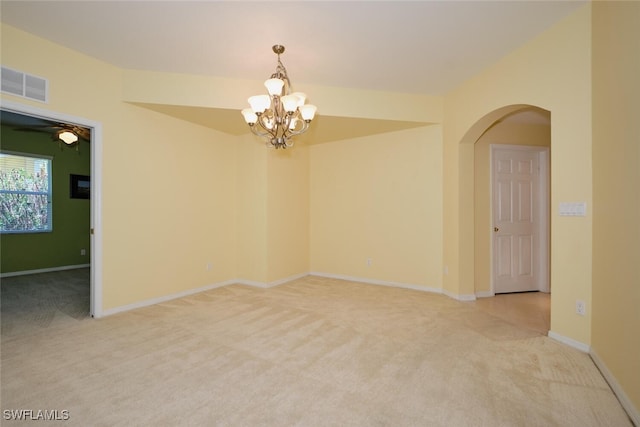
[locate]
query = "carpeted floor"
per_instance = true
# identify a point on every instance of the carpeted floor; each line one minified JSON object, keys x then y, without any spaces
{"x":312,"y":352}
{"x":36,"y":301}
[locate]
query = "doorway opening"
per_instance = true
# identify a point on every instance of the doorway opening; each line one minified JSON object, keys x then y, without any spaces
{"x":511,"y":160}
{"x":95,"y":229}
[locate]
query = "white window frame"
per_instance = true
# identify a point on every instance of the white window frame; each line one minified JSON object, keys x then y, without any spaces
{"x":49,"y":193}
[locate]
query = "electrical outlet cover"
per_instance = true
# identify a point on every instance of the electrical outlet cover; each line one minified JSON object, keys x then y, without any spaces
{"x":581,"y":308}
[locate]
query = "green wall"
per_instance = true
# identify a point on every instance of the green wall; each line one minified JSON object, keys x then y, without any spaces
{"x":71,"y":217}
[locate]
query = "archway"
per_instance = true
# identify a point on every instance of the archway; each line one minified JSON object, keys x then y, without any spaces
{"x":518,"y":128}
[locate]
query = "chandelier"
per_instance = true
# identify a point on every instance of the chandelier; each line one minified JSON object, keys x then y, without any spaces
{"x":280,"y":115}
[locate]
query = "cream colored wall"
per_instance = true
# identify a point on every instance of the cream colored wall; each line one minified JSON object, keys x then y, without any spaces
{"x":287,"y":213}
{"x":616,"y":173}
{"x":380,"y":198}
{"x":168,"y":208}
{"x":272,"y":212}
{"x":501,"y":133}
{"x":168,"y":187}
{"x":552,"y":72}
{"x":251,"y":216}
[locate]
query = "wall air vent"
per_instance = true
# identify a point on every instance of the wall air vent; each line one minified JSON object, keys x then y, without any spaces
{"x":25,"y":85}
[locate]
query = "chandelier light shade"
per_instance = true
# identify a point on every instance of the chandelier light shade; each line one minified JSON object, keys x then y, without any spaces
{"x":280,"y":115}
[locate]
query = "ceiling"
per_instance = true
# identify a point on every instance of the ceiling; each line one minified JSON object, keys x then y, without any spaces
{"x":424,"y":47}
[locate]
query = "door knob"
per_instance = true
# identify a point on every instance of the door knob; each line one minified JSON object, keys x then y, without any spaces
{"x":496,"y":229}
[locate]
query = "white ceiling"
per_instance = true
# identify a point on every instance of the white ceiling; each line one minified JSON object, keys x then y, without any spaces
{"x":426,"y":47}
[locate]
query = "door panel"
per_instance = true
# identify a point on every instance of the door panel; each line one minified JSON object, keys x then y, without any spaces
{"x":503,"y":259}
{"x":515,"y":192}
{"x":526,"y":256}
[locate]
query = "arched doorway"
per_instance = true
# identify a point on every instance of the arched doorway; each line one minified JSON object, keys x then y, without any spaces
{"x":522,"y":131}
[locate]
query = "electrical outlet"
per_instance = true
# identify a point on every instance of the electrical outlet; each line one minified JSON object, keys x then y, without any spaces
{"x":209,"y":266}
{"x":581,"y":308}
{"x":369,"y":262}
{"x":83,"y":252}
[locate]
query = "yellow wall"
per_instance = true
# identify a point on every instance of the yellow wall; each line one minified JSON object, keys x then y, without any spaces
{"x":272,"y":212}
{"x":168,"y":187}
{"x":380,"y":198}
{"x":501,"y":133}
{"x":168,"y":208}
{"x":551,"y":72}
{"x":616,"y":173}
{"x":287,"y":213}
{"x":251,"y":217}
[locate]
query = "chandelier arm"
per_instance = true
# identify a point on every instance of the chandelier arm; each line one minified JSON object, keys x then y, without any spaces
{"x":286,"y":121}
{"x":256,"y":131}
{"x":303,"y":129}
{"x":265,"y":130}
{"x":263,"y":120}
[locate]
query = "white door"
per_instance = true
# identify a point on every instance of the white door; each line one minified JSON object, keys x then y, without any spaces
{"x":519,"y":240}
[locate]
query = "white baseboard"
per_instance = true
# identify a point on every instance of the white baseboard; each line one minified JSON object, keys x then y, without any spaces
{"x":266,"y":285}
{"x":164,"y":298}
{"x":177,"y":295}
{"x":569,"y":341}
{"x":463,"y":297}
{"x":43,"y":270}
{"x":378,"y":282}
{"x":485,"y":294}
{"x":626,"y":403}
{"x":253,"y":283}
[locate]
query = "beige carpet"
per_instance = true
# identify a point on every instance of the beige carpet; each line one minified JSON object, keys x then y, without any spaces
{"x":313,"y":352}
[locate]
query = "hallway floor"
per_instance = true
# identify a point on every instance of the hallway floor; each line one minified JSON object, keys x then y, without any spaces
{"x":531,"y":310}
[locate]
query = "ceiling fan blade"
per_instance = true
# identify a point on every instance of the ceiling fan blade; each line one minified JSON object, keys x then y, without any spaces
{"x":35,"y":129}
{"x":82,"y":133}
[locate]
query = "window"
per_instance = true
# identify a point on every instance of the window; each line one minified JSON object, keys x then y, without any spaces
{"x":25,"y":193}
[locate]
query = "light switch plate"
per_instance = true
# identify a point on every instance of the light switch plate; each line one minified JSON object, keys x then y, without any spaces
{"x":573,"y":209}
